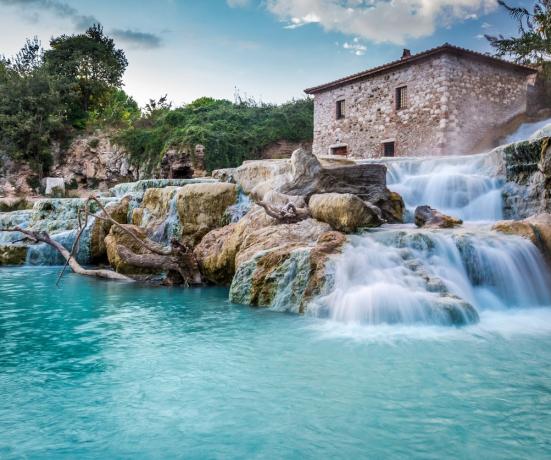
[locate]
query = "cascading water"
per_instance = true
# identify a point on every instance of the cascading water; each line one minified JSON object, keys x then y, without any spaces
{"x":465,"y":187}
{"x":401,"y":274}
{"x":445,"y":277}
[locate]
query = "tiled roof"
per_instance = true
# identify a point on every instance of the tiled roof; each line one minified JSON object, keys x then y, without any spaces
{"x":445,"y":48}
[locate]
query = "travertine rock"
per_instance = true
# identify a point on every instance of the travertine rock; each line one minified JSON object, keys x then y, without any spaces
{"x":536,"y":228}
{"x":203,"y":207}
{"x":13,"y":254}
{"x":428,"y":217}
{"x":343,"y":211}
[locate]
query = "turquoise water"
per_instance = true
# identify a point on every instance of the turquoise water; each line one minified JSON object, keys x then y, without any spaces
{"x":98,"y":369}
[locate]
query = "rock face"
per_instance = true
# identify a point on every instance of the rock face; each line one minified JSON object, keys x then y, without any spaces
{"x":117,"y":239}
{"x":93,"y":161}
{"x":304,"y":175}
{"x":100,"y":229}
{"x":203,"y":207}
{"x":528,"y":172}
{"x":14,"y":254}
{"x":177,"y":164}
{"x":536,"y":228}
{"x":344,"y":212}
{"x":427,"y":217}
{"x":288,"y":275}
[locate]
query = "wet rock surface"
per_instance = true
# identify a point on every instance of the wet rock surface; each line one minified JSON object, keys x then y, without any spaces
{"x":344,"y":212}
{"x":428,"y":217}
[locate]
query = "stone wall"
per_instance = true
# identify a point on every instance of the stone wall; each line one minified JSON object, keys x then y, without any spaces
{"x":452,"y":104}
{"x":482,"y":97}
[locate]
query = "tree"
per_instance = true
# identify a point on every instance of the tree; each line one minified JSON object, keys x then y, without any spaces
{"x":90,"y":61}
{"x":533,"y":46}
{"x":30,"y":108}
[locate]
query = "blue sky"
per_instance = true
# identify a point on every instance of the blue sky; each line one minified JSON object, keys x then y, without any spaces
{"x":268,"y":49}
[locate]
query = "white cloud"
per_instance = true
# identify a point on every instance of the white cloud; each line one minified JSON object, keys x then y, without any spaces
{"x":355,"y":47}
{"x":391,"y":21}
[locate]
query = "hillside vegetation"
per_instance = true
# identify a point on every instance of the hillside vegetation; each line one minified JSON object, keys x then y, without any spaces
{"x":49,"y":96}
{"x":231,"y":132}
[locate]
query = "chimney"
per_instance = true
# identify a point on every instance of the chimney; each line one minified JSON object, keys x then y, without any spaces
{"x":406,"y":54}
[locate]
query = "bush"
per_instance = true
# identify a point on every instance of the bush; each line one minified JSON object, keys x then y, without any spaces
{"x":230,"y":132}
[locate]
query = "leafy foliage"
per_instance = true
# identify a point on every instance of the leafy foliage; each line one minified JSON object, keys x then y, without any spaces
{"x":533,"y":46}
{"x":230,"y":132}
{"x":90,"y":61}
{"x":30,"y":109}
{"x":44,"y":95}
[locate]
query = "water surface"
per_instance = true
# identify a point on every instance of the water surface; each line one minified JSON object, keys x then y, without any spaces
{"x":100,"y":369}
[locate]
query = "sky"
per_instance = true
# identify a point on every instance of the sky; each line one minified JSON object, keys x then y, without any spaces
{"x":270,"y":50}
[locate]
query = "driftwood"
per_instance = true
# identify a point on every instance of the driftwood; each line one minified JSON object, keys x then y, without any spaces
{"x":177,"y":258}
{"x":288,"y":214}
{"x":43,"y":237}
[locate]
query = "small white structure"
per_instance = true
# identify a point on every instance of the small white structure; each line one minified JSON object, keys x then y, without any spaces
{"x":55,"y":186}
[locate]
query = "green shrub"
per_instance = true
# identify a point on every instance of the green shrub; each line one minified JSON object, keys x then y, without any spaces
{"x":230,"y":132}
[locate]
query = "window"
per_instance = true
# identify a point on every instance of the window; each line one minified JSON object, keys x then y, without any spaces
{"x":401,"y":97}
{"x":340,"y":109}
{"x":341,"y":150}
{"x":388,"y":149}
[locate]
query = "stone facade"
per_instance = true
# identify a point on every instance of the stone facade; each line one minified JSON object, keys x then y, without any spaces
{"x":455,"y":100}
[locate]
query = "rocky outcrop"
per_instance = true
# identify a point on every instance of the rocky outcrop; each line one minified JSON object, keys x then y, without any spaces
{"x":304,"y":175}
{"x":271,"y":173}
{"x":119,"y":241}
{"x":183,"y":164}
{"x":101,"y":228}
{"x":203,"y":207}
{"x":282,"y":266}
{"x":536,"y":228}
{"x":217,"y":251}
{"x":528,"y":172}
{"x":344,"y":212}
{"x":14,"y":254}
{"x":93,"y":162}
{"x":428,"y":217}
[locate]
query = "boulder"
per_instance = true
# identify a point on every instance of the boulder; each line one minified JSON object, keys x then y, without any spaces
{"x":215,"y":255}
{"x":100,"y":229}
{"x":284,"y":266}
{"x":118,"y":238}
{"x":273,"y":173}
{"x":536,"y":228}
{"x":203,"y":207}
{"x":344,"y":212}
{"x":13,"y":254}
{"x":428,"y":217}
{"x":10,"y":204}
{"x":217,"y":250}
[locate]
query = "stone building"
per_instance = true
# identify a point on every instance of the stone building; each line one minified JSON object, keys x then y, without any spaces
{"x":446,"y":100}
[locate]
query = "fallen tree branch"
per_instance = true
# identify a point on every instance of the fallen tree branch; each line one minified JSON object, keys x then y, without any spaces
{"x":288,"y":214}
{"x":43,"y":237}
{"x":107,"y":217}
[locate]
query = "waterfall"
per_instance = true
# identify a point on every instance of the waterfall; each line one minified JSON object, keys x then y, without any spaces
{"x":401,"y":274}
{"x":170,"y":227}
{"x":437,"y":277}
{"x":468,"y":187}
{"x":531,"y":130}
{"x":239,"y":209}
